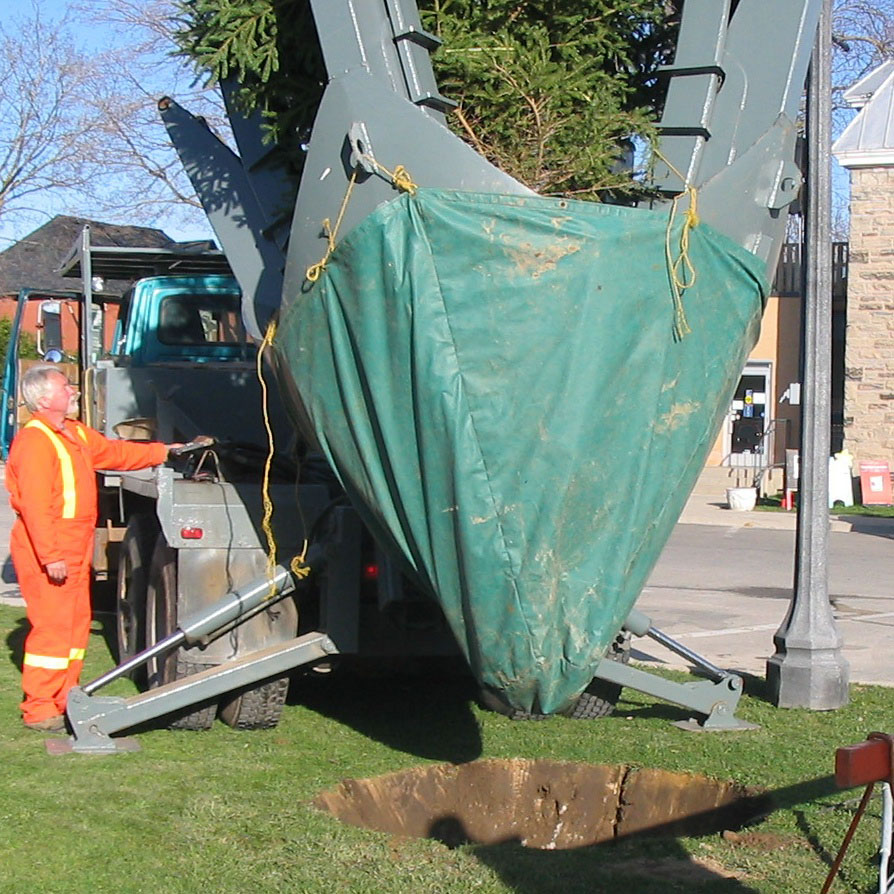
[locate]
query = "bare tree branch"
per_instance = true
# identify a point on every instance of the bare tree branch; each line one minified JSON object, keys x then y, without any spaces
{"x":80,"y":132}
{"x":44,"y":127}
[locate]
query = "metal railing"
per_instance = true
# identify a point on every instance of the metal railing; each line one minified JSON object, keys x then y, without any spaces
{"x":788,"y":280}
{"x":754,"y":465}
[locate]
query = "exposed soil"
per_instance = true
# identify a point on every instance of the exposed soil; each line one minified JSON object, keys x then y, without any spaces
{"x":764,"y":841}
{"x":692,"y":870}
{"x":540,"y":804}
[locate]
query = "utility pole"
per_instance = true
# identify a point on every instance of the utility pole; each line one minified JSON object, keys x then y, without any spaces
{"x":808,"y":669}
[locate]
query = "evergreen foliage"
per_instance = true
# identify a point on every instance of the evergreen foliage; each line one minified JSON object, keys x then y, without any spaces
{"x":270,"y":48}
{"x":27,"y":344}
{"x":548,"y":91}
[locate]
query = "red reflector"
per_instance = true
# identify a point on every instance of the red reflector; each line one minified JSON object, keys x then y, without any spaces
{"x":370,"y":572}
{"x":191,"y":533}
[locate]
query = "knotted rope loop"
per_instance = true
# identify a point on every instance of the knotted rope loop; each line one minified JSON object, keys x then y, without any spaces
{"x":681,"y":270}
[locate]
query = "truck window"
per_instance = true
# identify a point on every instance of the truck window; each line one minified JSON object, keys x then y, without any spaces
{"x":120,"y":331}
{"x":189,"y":319}
{"x":49,"y":327}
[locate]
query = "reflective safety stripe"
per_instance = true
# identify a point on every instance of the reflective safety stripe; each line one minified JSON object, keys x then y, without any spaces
{"x":69,"y":494}
{"x":76,"y":654}
{"x":48,"y":662}
{"x":82,"y":433}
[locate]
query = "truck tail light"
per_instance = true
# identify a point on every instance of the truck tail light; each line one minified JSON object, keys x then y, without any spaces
{"x":192,"y":533}
{"x":370,"y":571}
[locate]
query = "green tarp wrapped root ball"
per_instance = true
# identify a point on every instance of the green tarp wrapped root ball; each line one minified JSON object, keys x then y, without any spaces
{"x":497,"y":383}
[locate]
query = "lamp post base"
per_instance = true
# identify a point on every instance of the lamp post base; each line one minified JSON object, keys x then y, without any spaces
{"x":808,"y":678}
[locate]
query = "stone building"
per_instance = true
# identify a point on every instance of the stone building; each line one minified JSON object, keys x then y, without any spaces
{"x":866,"y":149}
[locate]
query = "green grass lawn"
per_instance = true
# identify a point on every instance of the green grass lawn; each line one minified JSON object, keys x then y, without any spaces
{"x":226,"y":811}
{"x":773,"y":503}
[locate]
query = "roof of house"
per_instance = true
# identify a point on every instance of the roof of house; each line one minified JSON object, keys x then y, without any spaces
{"x":33,"y":262}
{"x":859,"y":93}
{"x":868,"y":141}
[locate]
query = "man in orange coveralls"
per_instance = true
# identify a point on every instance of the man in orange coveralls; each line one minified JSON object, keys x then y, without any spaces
{"x":50,"y":476}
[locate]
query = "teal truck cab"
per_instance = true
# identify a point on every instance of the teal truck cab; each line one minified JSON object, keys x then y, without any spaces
{"x":181,"y":318}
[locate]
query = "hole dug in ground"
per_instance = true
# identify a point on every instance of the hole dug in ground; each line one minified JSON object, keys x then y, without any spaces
{"x":542,"y":804}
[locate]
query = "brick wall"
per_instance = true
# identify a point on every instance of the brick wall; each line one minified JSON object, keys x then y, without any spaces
{"x":869,"y":358}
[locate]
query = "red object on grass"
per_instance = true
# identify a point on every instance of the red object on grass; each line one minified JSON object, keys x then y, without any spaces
{"x":861,"y":764}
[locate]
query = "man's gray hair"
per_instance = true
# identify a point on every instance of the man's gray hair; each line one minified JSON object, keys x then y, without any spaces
{"x":36,"y":383}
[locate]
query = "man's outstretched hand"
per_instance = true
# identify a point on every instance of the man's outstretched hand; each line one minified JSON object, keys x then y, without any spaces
{"x":56,"y":571}
{"x":199,"y":442}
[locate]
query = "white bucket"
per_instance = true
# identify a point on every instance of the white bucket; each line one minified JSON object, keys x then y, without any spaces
{"x":741,"y":499}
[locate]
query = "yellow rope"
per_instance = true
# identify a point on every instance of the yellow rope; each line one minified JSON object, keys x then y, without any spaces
{"x":401,"y":179}
{"x":681,"y":270}
{"x":400,"y":176}
{"x":297,"y":565}
{"x":315,"y":271}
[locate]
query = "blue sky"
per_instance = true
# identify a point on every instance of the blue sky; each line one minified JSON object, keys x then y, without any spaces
{"x":93,"y":36}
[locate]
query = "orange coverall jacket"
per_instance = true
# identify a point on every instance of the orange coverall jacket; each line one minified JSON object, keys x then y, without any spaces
{"x":51,"y":479}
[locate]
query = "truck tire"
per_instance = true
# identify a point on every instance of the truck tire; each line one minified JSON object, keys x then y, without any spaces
{"x":258,"y":708}
{"x":597,"y":700}
{"x":600,"y":697}
{"x":161,"y":620}
{"x":134,"y":557}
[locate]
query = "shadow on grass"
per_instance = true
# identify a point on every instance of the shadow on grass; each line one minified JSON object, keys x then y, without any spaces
{"x":657,"y":710}
{"x":15,"y":642}
{"x":652,"y":862}
{"x":427,"y":714}
{"x":645,"y":862}
{"x":107,"y":625}
{"x":756,"y":687}
{"x":812,"y":837}
{"x":605,"y":867}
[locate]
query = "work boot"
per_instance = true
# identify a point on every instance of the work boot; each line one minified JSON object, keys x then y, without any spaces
{"x":54,"y":724}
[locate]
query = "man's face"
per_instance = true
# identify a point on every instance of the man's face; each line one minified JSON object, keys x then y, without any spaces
{"x":60,"y":396}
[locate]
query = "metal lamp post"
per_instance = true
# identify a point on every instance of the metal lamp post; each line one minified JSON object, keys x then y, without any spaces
{"x":808,"y":669}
